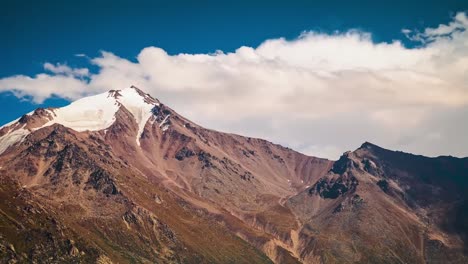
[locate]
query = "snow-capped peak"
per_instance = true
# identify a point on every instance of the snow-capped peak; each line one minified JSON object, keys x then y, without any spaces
{"x":93,"y":113}
{"x":98,"y":112}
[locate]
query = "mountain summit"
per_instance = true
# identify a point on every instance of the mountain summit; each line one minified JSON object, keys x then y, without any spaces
{"x":120,"y":177}
{"x":92,"y":113}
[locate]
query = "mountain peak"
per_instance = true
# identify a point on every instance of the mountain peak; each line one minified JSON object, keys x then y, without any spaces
{"x":367,"y":145}
{"x":92,"y":113}
{"x":135,"y":88}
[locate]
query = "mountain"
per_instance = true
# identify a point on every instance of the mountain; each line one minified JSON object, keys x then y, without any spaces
{"x":122,"y":178}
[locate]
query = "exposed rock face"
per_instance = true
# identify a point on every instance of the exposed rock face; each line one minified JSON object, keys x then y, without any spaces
{"x":332,"y":189}
{"x":149,"y":186}
{"x":343,"y":164}
{"x":384,"y":185}
{"x":184,"y":153}
{"x":102,"y":181}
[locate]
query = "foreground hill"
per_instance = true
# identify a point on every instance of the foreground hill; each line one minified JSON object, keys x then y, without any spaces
{"x":120,"y":177}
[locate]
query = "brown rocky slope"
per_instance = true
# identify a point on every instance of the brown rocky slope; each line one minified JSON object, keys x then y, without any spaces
{"x":181,"y":193}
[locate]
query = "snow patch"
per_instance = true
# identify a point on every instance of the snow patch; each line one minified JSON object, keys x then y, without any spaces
{"x":12,"y":138}
{"x":140,"y":109}
{"x":97,"y":112}
{"x":87,"y":114}
{"x":164,"y":120}
{"x":163,"y":124}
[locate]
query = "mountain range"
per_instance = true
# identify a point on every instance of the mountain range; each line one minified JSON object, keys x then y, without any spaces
{"x":120,"y":177}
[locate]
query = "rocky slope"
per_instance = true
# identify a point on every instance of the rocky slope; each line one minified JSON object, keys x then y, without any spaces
{"x":122,"y":178}
{"x":380,"y":206}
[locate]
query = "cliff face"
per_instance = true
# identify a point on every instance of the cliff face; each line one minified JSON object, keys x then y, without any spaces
{"x":120,"y":177}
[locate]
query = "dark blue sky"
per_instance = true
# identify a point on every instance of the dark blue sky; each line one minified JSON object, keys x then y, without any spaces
{"x":34,"y":32}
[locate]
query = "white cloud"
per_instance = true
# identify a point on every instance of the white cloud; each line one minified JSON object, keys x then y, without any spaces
{"x":43,"y":86}
{"x":62,"y":69}
{"x":320,"y":93}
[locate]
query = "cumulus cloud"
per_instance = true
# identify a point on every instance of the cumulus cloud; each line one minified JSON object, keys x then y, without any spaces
{"x":320,"y":93}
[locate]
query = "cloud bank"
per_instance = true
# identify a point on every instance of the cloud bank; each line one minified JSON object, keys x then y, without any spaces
{"x":321,"y":93}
